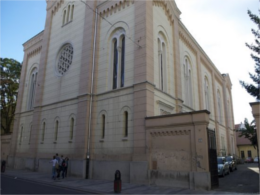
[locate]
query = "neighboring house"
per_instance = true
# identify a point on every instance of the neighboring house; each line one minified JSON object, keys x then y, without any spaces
{"x":244,"y":146}
{"x":143,"y":101}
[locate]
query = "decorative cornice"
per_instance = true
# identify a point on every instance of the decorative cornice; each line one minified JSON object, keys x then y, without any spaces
{"x":34,"y":40}
{"x":54,"y":6}
{"x":187,"y":42}
{"x":34,"y":52}
{"x":171,"y":10}
{"x":169,"y":133}
{"x":113,"y":6}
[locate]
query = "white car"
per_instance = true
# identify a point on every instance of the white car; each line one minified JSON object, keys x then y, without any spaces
{"x":256,"y":159}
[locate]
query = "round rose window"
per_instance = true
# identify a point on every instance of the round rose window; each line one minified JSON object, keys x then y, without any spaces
{"x":65,"y":59}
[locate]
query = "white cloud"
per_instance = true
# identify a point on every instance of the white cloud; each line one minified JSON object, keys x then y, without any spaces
{"x":222,"y":27}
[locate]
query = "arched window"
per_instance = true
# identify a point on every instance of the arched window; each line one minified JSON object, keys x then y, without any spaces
{"x":30,"y":134}
{"x":71,"y":128}
{"x":118,"y":59}
{"x":32,"y":88}
{"x":56,"y":130}
{"x":125,"y":123}
{"x":162,"y":63}
{"x":68,"y":14}
{"x":71,"y":15}
{"x":219,"y":107}
{"x":64,"y":17}
{"x":21,"y":135}
{"x":115,"y":65}
{"x":206,"y":92}
{"x":229,"y":114}
{"x":43,"y":130}
{"x":187,"y":74}
{"x":103,"y":126}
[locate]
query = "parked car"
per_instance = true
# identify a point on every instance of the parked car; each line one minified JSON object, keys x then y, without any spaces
{"x":249,"y":160}
{"x":256,"y":159}
{"x":223,"y":167}
{"x":232,"y":163}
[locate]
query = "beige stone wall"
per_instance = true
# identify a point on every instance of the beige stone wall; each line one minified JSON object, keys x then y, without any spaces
{"x":33,"y":62}
{"x":220,"y":89}
{"x":186,"y":51}
{"x":206,"y":73}
{"x":64,"y":144}
{"x":121,"y":19}
{"x":178,"y":145}
{"x":23,"y":143}
{"x":113,"y":105}
{"x":163,"y":103}
{"x":59,"y":88}
{"x":162,"y":28}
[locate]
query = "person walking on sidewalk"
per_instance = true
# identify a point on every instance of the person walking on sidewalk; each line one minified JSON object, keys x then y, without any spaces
{"x":54,"y":165}
{"x":65,"y":167}
{"x":58,"y":166}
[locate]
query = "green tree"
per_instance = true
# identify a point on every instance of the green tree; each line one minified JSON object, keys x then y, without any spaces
{"x":252,"y":89}
{"x":249,"y":132}
{"x":10,"y":74}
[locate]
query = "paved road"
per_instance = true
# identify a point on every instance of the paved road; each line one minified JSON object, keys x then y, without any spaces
{"x":10,"y":185}
{"x":243,"y":180}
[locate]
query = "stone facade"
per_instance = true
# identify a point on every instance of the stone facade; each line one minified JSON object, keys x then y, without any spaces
{"x":103,"y":68}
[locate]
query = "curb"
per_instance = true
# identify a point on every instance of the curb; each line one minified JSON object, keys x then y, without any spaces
{"x":53,"y":184}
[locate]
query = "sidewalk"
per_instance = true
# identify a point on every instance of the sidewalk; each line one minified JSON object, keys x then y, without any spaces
{"x":100,"y":186}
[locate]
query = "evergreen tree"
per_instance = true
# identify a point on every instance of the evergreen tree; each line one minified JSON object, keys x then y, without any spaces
{"x":252,"y":89}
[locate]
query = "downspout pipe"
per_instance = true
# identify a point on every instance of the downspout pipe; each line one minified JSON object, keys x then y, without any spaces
{"x":91,"y":96}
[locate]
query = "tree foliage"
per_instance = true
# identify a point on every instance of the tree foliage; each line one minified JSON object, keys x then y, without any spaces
{"x":10,"y":74}
{"x":249,"y":132}
{"x":253,"y":89}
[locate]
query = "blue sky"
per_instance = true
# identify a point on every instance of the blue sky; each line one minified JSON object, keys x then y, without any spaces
{"x":221,"y":27}
{"x":20,"y":21}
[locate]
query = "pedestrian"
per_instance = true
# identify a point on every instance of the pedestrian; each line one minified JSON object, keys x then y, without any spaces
{"x":54,"y":165}
{"x":66,"y":166}
{"x":63,"y":165}
{"x":58,"y":166}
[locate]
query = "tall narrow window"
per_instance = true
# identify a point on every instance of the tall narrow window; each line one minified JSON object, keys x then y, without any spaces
{"x":71,"y":128}
{"x":64,"y":17}
{"x":206,"y":88}
{"x":162,"y":63}
{"x":117,"y":56}
{"x":43,"y":131}
{"x":219,"y":107}
{"x":56,"y":130}
{"x":72,"y":10}
{"x":190,"y":89}
{"x":123,"y":62}
{"x":68,"y":14}
{"x":161,"y":67}
{"x":103,"y":126}
{"x":229,"y":114}
{"x":115,"y":65}
{"x":21,"y":135}
{"x":30,"y":135}
{"x":32,"y":89}
{"x":126,"y":124}
{"x":187,"y":83}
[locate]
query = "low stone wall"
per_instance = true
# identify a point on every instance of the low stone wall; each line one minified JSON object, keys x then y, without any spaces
{"x":178,"y":150}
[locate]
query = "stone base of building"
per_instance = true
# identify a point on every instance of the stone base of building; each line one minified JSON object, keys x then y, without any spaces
{"x":191,"y":180}
{"x":133,"y":172}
